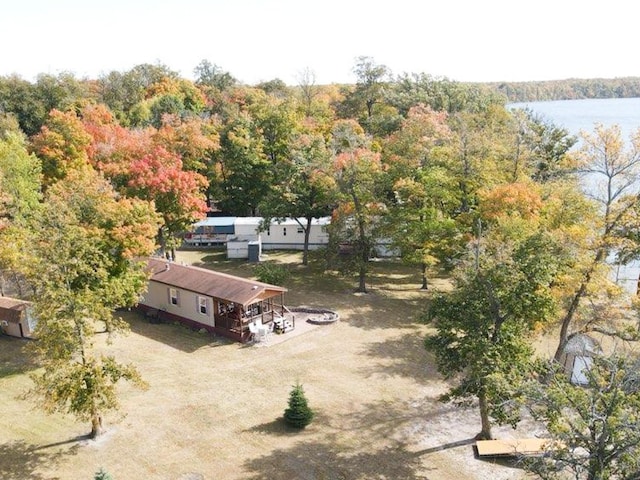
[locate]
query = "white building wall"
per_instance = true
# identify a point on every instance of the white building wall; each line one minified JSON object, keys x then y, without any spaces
{"x":287,"y":234}
{"x":237,"y":249}
{"x":247,"y":226}
{"x":238,"y":246}
{"x":290,"y":235}
{"x":384,"y":249}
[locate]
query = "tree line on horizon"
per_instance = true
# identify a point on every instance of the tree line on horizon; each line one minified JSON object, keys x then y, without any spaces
{"x":95,"y":174}
{"x":569,"y":89}
{"x":206,"y":72}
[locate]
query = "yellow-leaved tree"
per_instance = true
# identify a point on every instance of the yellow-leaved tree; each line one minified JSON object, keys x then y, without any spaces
{"x":84,"y":267}
{"x":612,"y":170}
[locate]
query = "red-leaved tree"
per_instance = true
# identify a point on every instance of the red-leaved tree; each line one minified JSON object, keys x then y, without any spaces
{"x":177,"y":194}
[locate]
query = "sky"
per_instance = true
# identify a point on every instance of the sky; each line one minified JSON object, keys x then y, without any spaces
{"x":261,"y":40}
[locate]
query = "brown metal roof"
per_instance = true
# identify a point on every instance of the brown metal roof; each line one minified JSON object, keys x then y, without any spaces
{"x":11,"y":309}
{"x":213,"y":284}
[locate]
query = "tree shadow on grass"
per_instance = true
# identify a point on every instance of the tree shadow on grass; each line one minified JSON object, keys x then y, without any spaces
{"x":370,"y":311}
{"x":426,"y":419}
{"x":280,"y":427}
{"x":403,"y":356}
{"x":13,"y":358}
{"x":311,"y":460}
{"x":275,"y":427}
{"x":216,"y":255}
{"x":75,"y":441}
{"x":512,"y":463}
{"x":360,"y":445}
{"x":446,"y":446}
{"x":376,"y":309}
{"x":179,"y":337}
{"x":369,"y":443}
{"x":231,"y":267}
{"x":303,"y":279}
{"x":20,"y":461}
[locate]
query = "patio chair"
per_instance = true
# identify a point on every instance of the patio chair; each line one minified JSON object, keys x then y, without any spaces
{"x":270,"y":328}
{"x":253,"y":329}
{"x":265,"y":331}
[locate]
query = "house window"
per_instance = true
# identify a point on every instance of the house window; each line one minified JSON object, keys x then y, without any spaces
{"x":174,"y":296}
{"x":284,"y":231}
{"x":300,"y":230}
{"x":268,"y":231}
{"x":202,"y":305}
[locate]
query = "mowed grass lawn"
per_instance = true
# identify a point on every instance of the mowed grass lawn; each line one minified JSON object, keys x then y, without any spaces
{"x":213,"y":409}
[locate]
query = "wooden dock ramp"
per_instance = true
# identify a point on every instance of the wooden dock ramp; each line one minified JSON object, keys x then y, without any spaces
{"x":511,"y":447}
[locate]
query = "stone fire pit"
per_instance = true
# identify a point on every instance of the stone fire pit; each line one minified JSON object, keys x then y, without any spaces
{"x":316,"y":316}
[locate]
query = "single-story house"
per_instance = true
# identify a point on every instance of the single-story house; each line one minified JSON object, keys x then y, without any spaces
{"x":16,"y":317}
{"x":203,"y":298}
{"x":285,"y":234}
{"x":243,"y":236}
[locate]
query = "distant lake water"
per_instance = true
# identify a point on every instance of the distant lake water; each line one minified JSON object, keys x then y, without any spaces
{"x":577,"y":115}
{"x":583,"y":115}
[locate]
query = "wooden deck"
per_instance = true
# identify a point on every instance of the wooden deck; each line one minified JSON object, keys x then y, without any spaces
{"x":512,"y":447}
{"x":230,"y":327}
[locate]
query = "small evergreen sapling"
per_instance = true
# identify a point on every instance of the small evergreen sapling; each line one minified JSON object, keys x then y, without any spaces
{"x":298,"y":415}
{"x":102,"y":475}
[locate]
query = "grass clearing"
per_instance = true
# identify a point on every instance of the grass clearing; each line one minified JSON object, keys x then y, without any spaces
{"x":214,"y":408}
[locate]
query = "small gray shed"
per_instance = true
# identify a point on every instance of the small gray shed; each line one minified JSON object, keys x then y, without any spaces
{"x":254,"y":251}
{"x":577,"y":357}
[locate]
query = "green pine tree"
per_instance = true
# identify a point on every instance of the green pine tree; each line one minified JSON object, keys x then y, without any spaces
{"x":102,"y":474}
{"x":298,"y":415}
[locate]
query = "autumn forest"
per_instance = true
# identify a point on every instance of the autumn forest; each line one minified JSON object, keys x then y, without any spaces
{"x":96,"y":174}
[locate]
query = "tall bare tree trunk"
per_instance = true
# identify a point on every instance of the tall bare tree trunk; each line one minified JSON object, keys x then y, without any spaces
{"x":362,"y":287}
{"x":305,"y":250}
{"x":96,"y":425}
{"x":595,"y":469}
{"x":162,"y":242}
{"x":485,"y":433}
{"x":96,"y":418}
{"x":575,"y":303}
{"x":363,"y":242}
{"x":425,"y":285}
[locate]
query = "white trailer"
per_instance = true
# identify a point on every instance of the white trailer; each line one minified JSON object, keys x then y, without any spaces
{"x":289,"y":234}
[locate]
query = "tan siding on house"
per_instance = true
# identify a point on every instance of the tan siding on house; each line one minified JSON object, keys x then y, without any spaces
{"x":193,"y":283}
{"x":210,"y":283}
{"x":16,"y":318}
{"x":12,"y":329}
{"x":157,"y":296}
